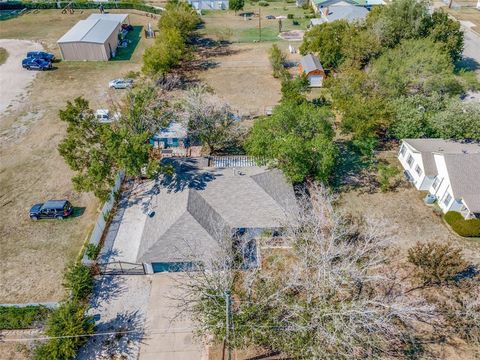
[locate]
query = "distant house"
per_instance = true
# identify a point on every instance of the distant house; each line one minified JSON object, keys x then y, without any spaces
{"x":346,"y":12}
{"x":173,"y":136}
{"x":209,"y":4}
{"x":311,"y":66}
{"x":448,"y":170}
{"x":320,"y":5}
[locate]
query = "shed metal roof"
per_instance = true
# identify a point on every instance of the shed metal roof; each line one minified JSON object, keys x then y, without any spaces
{"x":112,"y":17}
{"x":310,"y":63}
{"x":90,"y":30}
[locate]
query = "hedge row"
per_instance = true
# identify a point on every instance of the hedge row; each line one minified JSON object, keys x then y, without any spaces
{"x":466,"y":228}
{"x":12,"y":317}
{"x":15,"y":5}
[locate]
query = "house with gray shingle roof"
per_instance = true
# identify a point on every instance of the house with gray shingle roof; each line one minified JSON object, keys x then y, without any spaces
{"x":449,"y":170}
{"x":200,"y":206}
{"x":339,"y":11}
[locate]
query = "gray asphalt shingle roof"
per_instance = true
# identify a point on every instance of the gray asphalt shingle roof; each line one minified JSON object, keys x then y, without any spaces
{"x":427,"y":147}
{"x":464,"y":174}
{"x":198,"y":206}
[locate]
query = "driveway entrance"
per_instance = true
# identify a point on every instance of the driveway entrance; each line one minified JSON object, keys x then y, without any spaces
{"x":167,"y":337}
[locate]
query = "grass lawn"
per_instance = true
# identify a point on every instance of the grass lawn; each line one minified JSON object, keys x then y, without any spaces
{"x":3,"y":55}
{"x":34,"y":254}
{"x":227,"y":25}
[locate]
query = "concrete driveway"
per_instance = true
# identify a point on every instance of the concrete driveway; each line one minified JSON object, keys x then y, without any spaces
{"x":166,"y":338}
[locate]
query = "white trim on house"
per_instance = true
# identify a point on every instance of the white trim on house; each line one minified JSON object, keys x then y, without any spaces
{"x":436,"y":178}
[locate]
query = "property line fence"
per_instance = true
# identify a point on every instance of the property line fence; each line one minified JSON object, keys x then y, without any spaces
{"x":15,"y":5}
{"x":233,"y":161}
{"x":102,"y":219}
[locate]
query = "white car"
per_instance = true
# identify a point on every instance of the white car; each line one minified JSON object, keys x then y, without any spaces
{"x":120,"y":83}
{"x":103,"y":116}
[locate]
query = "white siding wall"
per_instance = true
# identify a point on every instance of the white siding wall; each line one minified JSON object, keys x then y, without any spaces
{"x":421,"y":182}
{"x":443,"y":190}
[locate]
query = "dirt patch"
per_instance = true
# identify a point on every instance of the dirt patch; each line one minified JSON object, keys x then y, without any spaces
{"x":407,"y":218}
{"x":13,"y":77}
{"x":34,"y":254}
{"x":244,"y":78}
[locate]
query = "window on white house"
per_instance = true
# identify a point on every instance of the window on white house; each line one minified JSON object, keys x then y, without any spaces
{"x":410,"y":160}
{"x":435,"y":183}
{"x":447,"y":200}
{"x":403,"y":150}
{"x":418,"y":170}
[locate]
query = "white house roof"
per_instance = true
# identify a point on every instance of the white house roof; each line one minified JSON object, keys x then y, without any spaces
{"x":464,"y":174}
{"x":90,"y":30}
{"x":112,"y":17}
{"x":427,"y":147}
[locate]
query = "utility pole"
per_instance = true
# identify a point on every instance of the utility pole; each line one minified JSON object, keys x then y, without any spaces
{"x":260,"y":22}
{"x":227,"y":332}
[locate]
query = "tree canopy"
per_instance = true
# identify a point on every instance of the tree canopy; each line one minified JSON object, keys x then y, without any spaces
{"x":297,"y":138}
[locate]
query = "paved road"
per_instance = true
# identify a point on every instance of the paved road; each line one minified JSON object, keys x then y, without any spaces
{"x":472,"y":42}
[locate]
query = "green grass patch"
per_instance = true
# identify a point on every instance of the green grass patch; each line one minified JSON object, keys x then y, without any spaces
{"x":3,"y":55}
{"x":134,"y":36}
{"x":252,"y":34}
{"x":12,"y":317}
{"x":465,"y":228}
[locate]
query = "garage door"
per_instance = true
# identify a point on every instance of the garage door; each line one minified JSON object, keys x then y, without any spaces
{"x":316,"y":80}
{"x":174,"y":266}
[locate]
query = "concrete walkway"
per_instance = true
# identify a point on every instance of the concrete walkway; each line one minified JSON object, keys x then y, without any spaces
{"x":167,"y":338}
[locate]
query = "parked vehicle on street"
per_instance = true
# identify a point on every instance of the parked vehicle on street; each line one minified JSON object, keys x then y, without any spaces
{"x":41,"y":55}
{"x":120,"y":83}
{"x":36,"y":64}
{"x":105,"y":117}
{"x":52,"y":209}
{"x":270,"y":17}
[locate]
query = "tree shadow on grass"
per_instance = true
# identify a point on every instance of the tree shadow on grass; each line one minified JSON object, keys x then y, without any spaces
{"x":352,"y":169}
{"x":77,"y":211}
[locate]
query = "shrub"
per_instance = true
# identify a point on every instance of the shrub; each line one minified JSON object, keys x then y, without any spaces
{"x":277,"y":59}
{"x":92,"y":251}
{"x":12,"y":317}
{"x":295,"y":22}
{"x":79,"y":280}
{"x":289,"y":16}
{"x":263,"y":3}
{"x":386,"y":176}
{"x":436,"y":263}
{"x":465,"y":228}
{"x":68,"y":320}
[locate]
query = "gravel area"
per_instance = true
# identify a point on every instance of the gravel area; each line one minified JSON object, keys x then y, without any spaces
{"x":119,"y":304}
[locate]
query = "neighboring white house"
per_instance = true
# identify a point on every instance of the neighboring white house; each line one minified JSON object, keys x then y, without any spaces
{"x":340,"y":11}
{"x":448,"y":170}
{"x":209,"y":4}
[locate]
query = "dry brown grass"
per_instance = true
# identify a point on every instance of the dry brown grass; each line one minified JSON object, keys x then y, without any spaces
{"x":407,"y":218}
{"x":34,"y":254}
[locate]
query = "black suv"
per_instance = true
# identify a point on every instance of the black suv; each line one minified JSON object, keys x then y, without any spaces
{"x":52,"y":209}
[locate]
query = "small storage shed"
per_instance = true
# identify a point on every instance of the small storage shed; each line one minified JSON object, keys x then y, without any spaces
{"x":311,"y":66}
{"x":93,"y":39}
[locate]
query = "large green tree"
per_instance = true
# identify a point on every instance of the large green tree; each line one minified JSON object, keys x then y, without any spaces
{"x":167,"y":52}
{"x":459,"y":120}
{"x":447,"y":32}
{"x":236,"y":5}
{"x":96,"y":152}
{"x":181,"y":16}
{"x":298,"y":139}
{"x":327,"y":41}
{"x":415,"y":67}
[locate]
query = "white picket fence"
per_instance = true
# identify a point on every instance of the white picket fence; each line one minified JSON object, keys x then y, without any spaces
{"x":101,"y":220}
